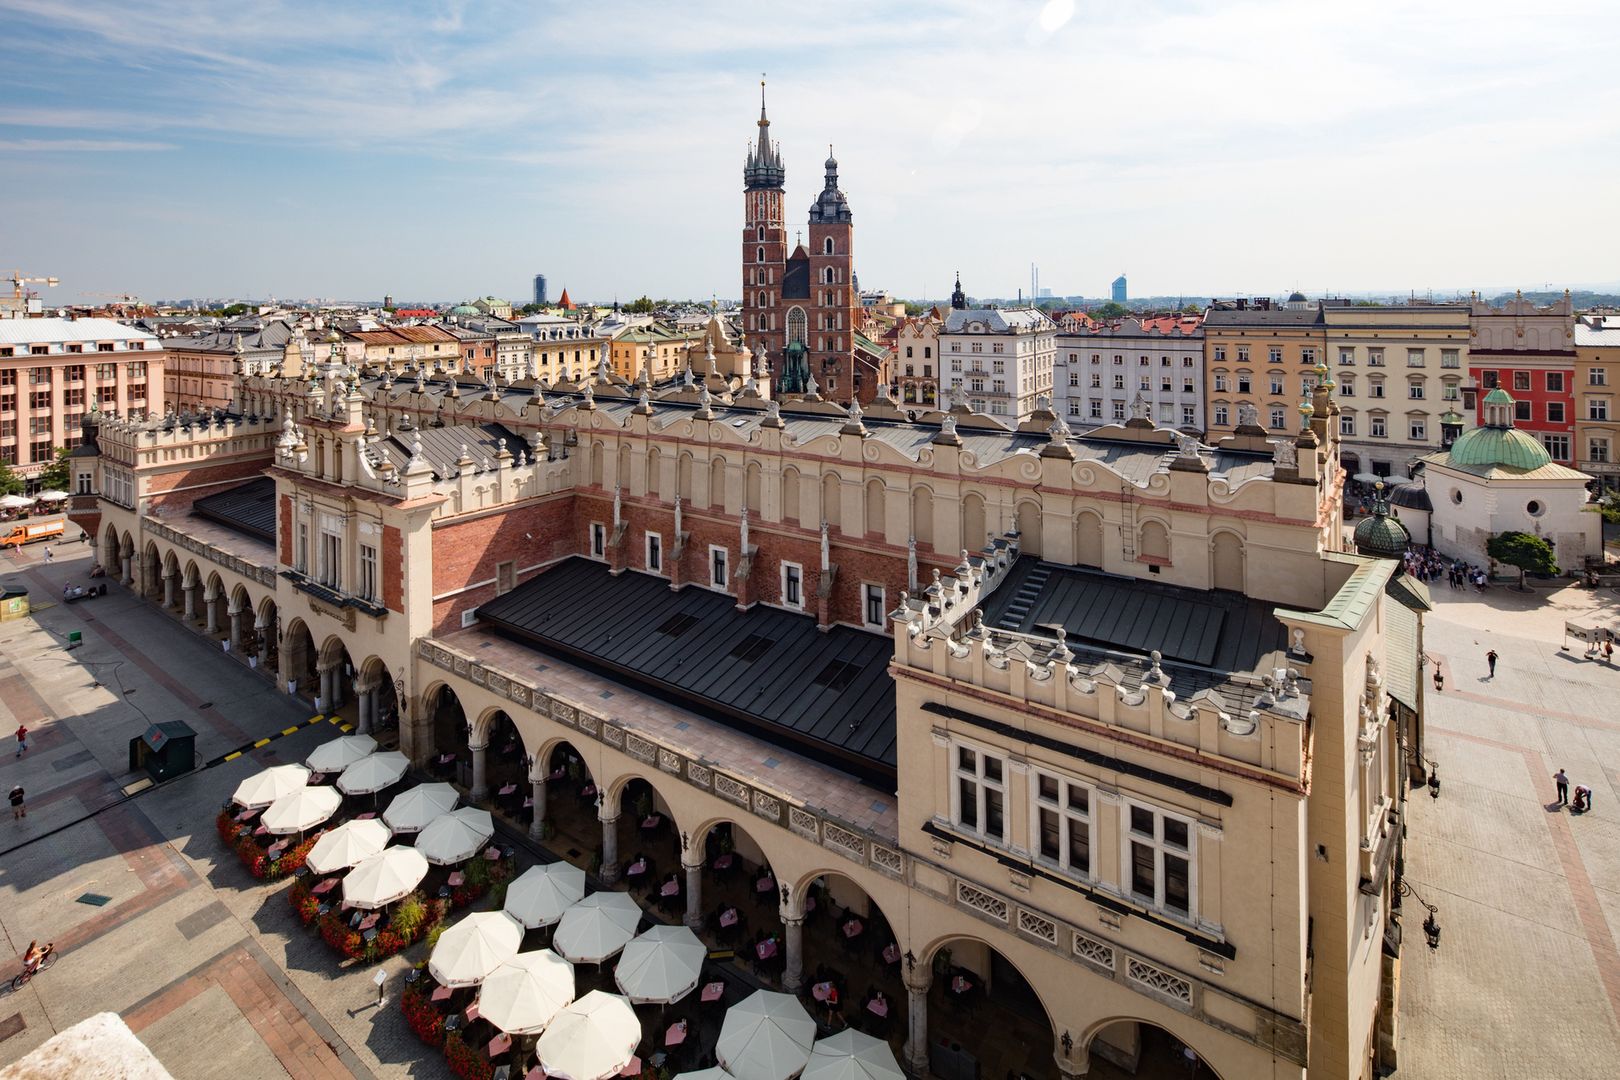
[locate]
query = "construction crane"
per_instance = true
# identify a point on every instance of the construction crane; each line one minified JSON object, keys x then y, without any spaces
{"x":18,"y":281}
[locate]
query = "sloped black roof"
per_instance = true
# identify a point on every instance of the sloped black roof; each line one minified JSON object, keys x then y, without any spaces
{"x":828,"y":694}
{"x":796,"y":277}
{"x":248,"y":509}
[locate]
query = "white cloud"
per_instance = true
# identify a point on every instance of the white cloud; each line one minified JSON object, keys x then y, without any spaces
{"x":34,"y":146}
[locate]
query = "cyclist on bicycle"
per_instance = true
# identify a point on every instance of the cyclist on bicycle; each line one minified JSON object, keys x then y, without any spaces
{"x":35,"y":956}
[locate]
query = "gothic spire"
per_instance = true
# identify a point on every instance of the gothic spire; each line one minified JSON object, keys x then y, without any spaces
{"x":763,"y":168}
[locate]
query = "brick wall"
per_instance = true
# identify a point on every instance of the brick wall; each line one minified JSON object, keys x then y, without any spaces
{"x":284,"y":530}
{"x":177,"y":489}
{"x":469,"y":552}
{"x":393,"y":568}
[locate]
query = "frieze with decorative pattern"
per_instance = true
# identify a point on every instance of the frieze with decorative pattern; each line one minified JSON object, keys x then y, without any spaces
{"x":1093,"y":951}
{"x":1037,"y":927}
{"x":731,"y":789}
{"x":803,"y":822}
{"x":613,"y":734}
{"x":843,"y":841}
{"x":984,"y":903}
{"x":1158,"y":980}
{"x":767,"y":807}
{"x":640,"y":748}
{"x":698,"y":774}
{"x":669,"y":761}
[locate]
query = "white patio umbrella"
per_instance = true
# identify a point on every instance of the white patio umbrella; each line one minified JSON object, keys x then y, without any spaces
{"x":347,"y":844}
{"x":597,"y":927}
{"x":541,"y":894}
{"x":470,"y":950}
{"x":767,"y":1036}
{"x":15,"y":502}
{"x":373,"y":773}
{"x":456,"y":836}
{"x":412,"y":811}
{"x":705,"y":1074}
{"x":51,"y":496}
{"x":380,"y":879}
{"x":340,"y":753}
{"x":263,"y":788}
{"x":661,"y":966}
{"x":522,"y":995}
{"x":592,"y":1039}
{"x":302,"y":809}
{"x":852,"y":1055}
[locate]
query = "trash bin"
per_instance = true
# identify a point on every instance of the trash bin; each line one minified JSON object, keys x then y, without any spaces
{"x":164,"y":750}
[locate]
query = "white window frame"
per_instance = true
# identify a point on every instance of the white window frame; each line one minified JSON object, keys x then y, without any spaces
{"x":598,"y":540}
{"x":868,"y":592}
{"x":792,"y":574}
{"x":1067,"y":818}
{"x":1162,"y":849}
{"x":983,"y":784}
{"x":719,"y":567}
{"x":366,"y":584}
{"x":329,"y":540}
{"x":653,"y":552}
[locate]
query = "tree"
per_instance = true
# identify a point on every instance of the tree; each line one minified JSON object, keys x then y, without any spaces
{"x":1111,"y":310}
{"x":10,"y":482}
{"x":644,"y":306}
{"x":1527,"y":552}
{"x":57,"y":475}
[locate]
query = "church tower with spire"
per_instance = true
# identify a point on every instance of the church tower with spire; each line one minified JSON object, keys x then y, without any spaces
{"x":764,"y":247}
{"x":804,"y":307}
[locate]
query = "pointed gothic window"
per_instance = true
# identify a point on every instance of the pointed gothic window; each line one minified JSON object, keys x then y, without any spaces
{"x":827,"y":246}
{"x":759,"y":254}
{"x":759,"y":233}
{"x":798,"y":325}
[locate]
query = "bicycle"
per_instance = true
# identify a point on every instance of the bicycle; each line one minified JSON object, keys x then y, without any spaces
{"x":21,"y":980}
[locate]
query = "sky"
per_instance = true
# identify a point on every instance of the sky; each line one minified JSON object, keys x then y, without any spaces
{"x":439,"y":151}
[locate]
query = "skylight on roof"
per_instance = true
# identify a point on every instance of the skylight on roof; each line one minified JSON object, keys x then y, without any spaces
{"x":676,"y":625}
{"x":837,"y":675}
{"x":752,"y":647}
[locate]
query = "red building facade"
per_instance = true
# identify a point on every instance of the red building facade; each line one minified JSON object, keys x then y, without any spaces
{"x":1530,"y":353}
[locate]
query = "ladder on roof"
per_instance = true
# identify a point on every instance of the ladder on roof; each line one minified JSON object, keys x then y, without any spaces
{"x":1127,"y":520}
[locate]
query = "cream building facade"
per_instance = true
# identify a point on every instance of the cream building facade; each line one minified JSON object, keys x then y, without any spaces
{"x":1188,"y":830}
{"x":1000,"y":360}
{"x":1597,"y":408}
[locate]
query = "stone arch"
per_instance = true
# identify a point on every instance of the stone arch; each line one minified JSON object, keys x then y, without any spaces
{"x":717,"y":482}
{"x":875,"y":500}
{"x":192,"y":577}
{"x":337,"y":668}
{"x":922,"y":515}
{"x":151,"y":572}
{"x":622,"y":467}
{"x":790,"y":495}
{"x":1028,"y":519}
{"x":265,"y":626}
{"x":832,"y":499}
{"x":171,"y":580}
{"x":683,"y":477}
{"x":215,"y":600}
{"x":1154,"y":541}
{"x":297,"y":666}
{"x":1226,"y":561}
{"x":1104,"y":1039}
{"x":654,"y":479}
{"x":974,"y":534}
{"x":109,"y":549}
{"x":1088,"y":539}
{"x":753,"y":485}
{"x":445,"y":717}
{"x":1009,"y":988}
{"x":597,"y":464}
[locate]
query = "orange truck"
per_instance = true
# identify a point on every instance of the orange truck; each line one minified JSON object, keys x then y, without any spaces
{"x":27,"y":532}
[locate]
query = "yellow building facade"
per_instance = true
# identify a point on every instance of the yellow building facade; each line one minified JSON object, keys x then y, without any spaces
{"x":1597,"y":406}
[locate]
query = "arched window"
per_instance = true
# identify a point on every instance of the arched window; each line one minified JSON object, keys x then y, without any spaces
{"x":798,"y":325}
{"x":827,"y":272}
{"x":759,"y":254}
{"x":759,"y":234}
{"x":827,"y":246}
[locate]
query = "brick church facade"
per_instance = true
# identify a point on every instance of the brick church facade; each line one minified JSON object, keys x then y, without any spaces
{"x":804,"y":308}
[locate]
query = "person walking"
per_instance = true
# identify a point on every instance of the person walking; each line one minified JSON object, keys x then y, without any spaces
{"x":19,"y":804}
{"x":1561,"y":781}
{"x":1490,"y":662}
{"x":22,"y":739}
{"x":48,"y":555}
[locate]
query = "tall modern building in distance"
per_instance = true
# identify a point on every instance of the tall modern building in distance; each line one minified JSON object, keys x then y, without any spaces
{"x":539,"y":288}
{"x":1119,"y":290}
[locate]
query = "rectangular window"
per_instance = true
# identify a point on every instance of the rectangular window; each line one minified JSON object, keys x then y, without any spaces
{"x":1347,"y":356}
{"x":1597,"y":448}
{"x":1557,"y":446}
{"x":1555,"y":382}
{"x":1189,"y":416}
{"x":598,"y":540}
{"x":1450,"y":358}
{"x":1063,"y":819}
{"x":1521,"y":380}
{"x":1414,"y":357}
{"x":505,"y":575}
{"x":792,"y":585}
{"x":301,"y":553}
{"x":1448,"y":392}
{"x":1347,"y":424}
{"x":1597,"y":409}
{"x":1244,"y":384}
{"x":1276,"y":385}
{"x":1307,"y":356}
{"x":367,"y":586}
{"x":1220,"y":352}
{"x":1414,"y":390}
{"x":1096,"y":380}
{"x":1158,"y":857}
{"x":1597,"y":377}
{"x":1119,"y":410}
{"x":1555,"y":412}
{"x":655,"y":552}
{"x":329,"y":571}
{"x":873,"y":605}
{"x":1375,"y":357}
{"x":1274,"y":354}
{"x":1096,"y":410}
{"x":1220,"y":383}
{"x":1375,"y":388}
{"x":1378,"y":427}
{"x":1419,"y":430}
{"x":1220,"y":416}
{"x":1279,"y":417}
{"x":980,"y":794}
{"x":719,"y":575}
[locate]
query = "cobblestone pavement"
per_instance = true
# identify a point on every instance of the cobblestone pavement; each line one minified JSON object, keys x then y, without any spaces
{"x":1526,"y":982}
{"x":208,"y":967}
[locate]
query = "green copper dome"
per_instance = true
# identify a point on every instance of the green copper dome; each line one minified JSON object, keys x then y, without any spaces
{"x":465,"y":309}
{"x":1497,"y":441}
{"x":1382,"y":535}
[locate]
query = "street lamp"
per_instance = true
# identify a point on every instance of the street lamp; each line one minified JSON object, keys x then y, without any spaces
{"x":1431,"y":925}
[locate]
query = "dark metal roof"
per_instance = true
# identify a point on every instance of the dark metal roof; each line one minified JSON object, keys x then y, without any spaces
{"x":771,"y":672}
{"x":1203,"y":637}
{"x":249,"y":509}
{"x":442,"y":445}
